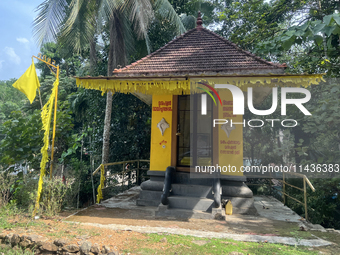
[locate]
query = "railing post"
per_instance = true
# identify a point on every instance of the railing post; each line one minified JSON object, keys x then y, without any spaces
{"x":305,"y":196}
{"x":123,"y":174}
{"x":284,"y":188}
{"x":270,"y":184}
{"x":137,"y":175}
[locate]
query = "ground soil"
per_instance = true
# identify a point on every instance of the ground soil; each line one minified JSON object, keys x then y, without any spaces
{"x":76,"y":233}
{"x":69,"y":226}
{"x":233,"y":224}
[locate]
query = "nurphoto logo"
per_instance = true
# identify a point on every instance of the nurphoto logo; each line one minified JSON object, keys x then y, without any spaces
{"x":238,"y":104}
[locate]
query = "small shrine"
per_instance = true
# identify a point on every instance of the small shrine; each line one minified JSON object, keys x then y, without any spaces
{"x":185,"y":82}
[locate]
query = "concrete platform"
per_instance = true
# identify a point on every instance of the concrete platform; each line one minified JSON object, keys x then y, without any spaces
{"x":266,"y":206}
{"x":274,"y":222}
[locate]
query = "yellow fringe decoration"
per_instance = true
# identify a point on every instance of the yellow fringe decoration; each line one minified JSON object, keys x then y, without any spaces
{"x":182,"y":87}
{"x":101,"y":185}
{"x":46,"y":115}
{"x":273,"y":81}
{"x":128,"y":86}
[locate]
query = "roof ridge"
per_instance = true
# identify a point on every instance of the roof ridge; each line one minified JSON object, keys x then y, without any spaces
{"x":153,"y":53}
{"x":240,"y":49}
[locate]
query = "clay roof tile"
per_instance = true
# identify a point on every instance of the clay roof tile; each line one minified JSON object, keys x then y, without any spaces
{"x":197,"y":51}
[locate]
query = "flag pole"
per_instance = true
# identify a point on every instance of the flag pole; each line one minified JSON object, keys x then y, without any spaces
{"x":50,"y":62}
{"x":54,"y":123}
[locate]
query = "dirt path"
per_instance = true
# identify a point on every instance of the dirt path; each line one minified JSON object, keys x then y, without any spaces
{"x":233,"y":224}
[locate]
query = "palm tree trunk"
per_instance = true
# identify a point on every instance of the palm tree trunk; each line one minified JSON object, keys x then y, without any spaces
{"x":93,"y":54}
{"x":106,"y":133}
{"x":108,"y":110}
{"x":117,"y":49}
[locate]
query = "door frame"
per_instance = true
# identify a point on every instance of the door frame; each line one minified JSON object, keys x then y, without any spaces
{"x":174,"y":155}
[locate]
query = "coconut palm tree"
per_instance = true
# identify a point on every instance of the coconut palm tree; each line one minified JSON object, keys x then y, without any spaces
{"x":75,"y":24}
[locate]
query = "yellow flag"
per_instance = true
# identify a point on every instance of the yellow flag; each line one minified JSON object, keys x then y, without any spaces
{"x":28,"y":83}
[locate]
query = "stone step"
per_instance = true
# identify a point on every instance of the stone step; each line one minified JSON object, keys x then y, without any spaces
{"x":188,"y":190}
{"x":184,"y":214}
{"x":236,"y":189}
{"x":192,"y":179}
{"x":191,"y":203}
{"x":240,"y":202}
{"x":144,"y":202}
{"x":242,"y":205}
{"x":150,"y":195}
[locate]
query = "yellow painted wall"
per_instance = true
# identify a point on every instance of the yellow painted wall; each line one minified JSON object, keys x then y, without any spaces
{"x":230,"y":148}
{"x":160,"y":155}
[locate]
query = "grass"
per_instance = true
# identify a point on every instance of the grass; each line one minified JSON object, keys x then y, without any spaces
{"x":13,"y":219}
{"x":176,"y":244}
{"x":10,"y":211}
{"x":14,"y":251}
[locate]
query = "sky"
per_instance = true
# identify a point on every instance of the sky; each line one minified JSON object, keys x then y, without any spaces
{"x":16,"y":38}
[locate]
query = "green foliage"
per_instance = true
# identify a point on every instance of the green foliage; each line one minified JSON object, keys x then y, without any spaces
{"x":23,"y":138}
{"x":10,"y":251}
{"x":318,"y":38}
{"x":7,"y":211}
{"x":247,"y":22}
{"x":52,"y":196}
{"x":6,"y":183}
{"x":80,"y":192}
{"x":323,"y":204}
{"x":9,"y":93}
{"x":188,"y":10}
{"x":10,"y":100}
{"x":322,"y":126}
{"x":131,"y":130}
{"x":24,"y":190}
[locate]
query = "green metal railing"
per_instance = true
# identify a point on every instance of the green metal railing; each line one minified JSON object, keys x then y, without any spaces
{"x":304,"y":190}
{"x":284,"y":190}
{"x":128,"y":167}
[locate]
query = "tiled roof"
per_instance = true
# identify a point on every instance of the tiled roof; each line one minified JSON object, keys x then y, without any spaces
{"x":195,"y":52}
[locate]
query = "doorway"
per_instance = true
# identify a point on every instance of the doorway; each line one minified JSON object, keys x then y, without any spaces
{"x":194,"y":133}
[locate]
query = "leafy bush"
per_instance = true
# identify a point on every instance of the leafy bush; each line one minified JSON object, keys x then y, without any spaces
{"x":80,"y":184}
{"x":25,"y":190}
{"x":52,"y":197}
{"x":6,"y":212}
{"x":323,"y":204}
{"x":6,"y":183}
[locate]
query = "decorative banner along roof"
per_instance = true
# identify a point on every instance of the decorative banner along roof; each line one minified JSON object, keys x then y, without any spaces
{"x":161,"y":86}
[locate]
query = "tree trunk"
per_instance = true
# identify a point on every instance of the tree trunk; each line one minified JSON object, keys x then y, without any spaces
{"x":106,"y":133}
{"x":93,"y":54}
{"x":116,"y":54}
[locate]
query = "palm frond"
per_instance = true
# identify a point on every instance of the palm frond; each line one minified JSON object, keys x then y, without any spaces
{"x":140,"y":13}
{"x":46,"y":25}
{"x":79,"y":29}
{"x":189,"y":21}
{"x":166,"y":10}
{"x":128,"y":35}
{"x":106,"y":8}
